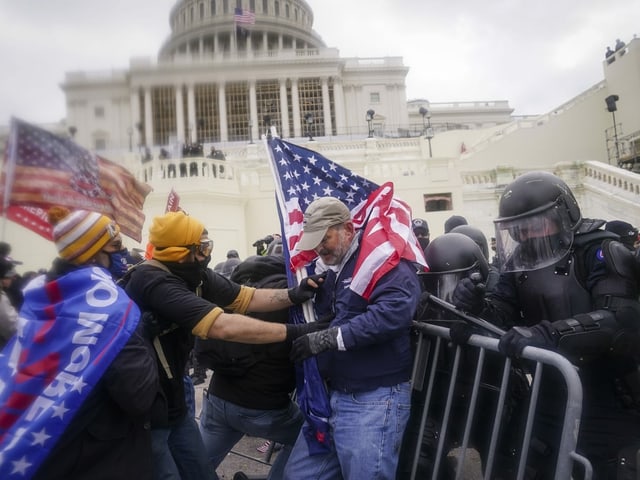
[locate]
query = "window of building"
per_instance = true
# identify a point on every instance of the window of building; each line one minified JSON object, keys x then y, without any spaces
{"x":252,"y":6}
{"x":202,"y":11}
{"x":437,"y":202}
{"x":237,"y":98}
{"x":100,"y":144}
{"x":286,"y":10}
{"x":225,"y":6}
{"x":295,"y":14}
{"x":191,"y":17}
{"x":374,"y":97}
{"x":206,"y":97}
{"x":268,"y":102}
{"x":265,"y":6}
{"x":276,"y":8}
{"x":213,"y":7}
{"x":163,"y":110}
{"x":98,"y":112}
{"x":310,"y":94}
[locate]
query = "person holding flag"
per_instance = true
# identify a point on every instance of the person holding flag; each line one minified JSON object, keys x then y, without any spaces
{"x":358,"y":234}
{"x":78,"y":380}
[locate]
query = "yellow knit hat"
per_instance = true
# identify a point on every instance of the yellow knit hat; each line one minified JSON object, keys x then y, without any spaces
{"x":171,"y":233}
{"x":79,"y":235}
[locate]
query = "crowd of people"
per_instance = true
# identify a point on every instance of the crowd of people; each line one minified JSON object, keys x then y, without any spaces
{"x":557,"y":280}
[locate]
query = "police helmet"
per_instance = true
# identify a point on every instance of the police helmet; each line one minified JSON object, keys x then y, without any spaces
{"x":451,"y":257}
{"x":475,"y":234}
{"x":538,"y":216}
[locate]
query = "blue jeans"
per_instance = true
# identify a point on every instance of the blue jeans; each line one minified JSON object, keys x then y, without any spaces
{"x":222,"y":425}
{"x":367,"y":430}
{"x":178,"y":452}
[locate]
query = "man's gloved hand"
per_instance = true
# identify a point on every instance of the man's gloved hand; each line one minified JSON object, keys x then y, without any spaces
{"x":542,"y":335}
{"x":306,"y":289}
{"x":299,"y":329}
{"x":460,"y":332}
{"x":469,"y":295}
{"x":314,"y":343}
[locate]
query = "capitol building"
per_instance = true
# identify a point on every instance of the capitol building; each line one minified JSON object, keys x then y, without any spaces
{"x":231,"y":72}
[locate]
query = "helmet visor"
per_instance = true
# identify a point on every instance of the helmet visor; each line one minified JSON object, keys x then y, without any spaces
{"x":533,"y":242}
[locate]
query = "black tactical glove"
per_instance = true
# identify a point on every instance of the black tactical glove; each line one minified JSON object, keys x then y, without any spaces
{"x":469,"y":296}
{"x":460,"y":332}
{"x":314,"y":343}
{"x":305,"y":291}
{"x":299,"y":329}
{"x":542,"y":335}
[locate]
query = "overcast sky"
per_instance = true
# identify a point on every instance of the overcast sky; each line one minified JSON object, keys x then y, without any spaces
{"x":537,"y":55}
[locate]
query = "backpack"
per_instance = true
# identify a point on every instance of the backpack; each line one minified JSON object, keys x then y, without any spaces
{"x":233,"y":358}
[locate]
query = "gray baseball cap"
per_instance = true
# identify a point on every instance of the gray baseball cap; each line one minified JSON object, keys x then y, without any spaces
{"x":321,"y":214}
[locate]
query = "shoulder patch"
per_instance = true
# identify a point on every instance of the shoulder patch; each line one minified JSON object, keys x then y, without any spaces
{"x":599,"y":255}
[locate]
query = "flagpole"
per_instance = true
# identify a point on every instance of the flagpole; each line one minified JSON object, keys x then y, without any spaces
{"x":307,"y":309}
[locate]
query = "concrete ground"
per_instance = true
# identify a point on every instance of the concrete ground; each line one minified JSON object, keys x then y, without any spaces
{"x":244,"y":456}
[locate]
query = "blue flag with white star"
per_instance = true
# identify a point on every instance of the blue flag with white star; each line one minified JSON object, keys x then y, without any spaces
{"x":69,"y":331}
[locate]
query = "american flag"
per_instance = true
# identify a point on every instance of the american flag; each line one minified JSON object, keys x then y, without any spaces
{"x":245,"y":17}
{"x":302,"y":175}
{"x":42,"y":169}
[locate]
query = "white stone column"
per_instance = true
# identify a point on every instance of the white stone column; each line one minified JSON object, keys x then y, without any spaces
{"x":284,"y":110}
{"x":135,"y":116}
{"x":280,"y":41}
{"x":191,"y":113}
{"x":326,"y":106}
{"x":338,"y":101}
{"x":222,"y":113}
{"x":179,"y":114}
{"x":148,"y":117}
{"x":253,"y":111}
{"x":265,"y":41}
{"x":295,"y":100}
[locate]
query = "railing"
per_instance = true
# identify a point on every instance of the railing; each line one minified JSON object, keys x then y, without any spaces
{"x":458,"y":387}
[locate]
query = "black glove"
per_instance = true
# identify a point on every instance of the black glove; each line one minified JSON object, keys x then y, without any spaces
{"x":305,"y":291}
{"x":314,"y":343}
{"x":460,"y":332}
{"x":299,"y":329}
{"x":469,"y":296}
{"x":542,"y":335}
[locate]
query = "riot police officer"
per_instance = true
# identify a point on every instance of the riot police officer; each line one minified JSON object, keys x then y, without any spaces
{"x":567,"y":285}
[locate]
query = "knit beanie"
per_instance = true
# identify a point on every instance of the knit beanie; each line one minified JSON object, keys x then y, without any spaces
{"x":79,"y":235}
{"x":171,"y":233}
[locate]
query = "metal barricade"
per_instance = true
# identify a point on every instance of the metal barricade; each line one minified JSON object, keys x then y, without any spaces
{"x":436,"y":358}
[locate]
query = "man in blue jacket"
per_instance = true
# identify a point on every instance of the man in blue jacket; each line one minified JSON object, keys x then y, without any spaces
{"x":364,"y":357}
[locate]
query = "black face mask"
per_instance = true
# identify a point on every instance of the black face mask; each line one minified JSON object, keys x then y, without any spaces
{"x":204,"y":263}
{"x":191,"y":272}
{"x":423,"y":241}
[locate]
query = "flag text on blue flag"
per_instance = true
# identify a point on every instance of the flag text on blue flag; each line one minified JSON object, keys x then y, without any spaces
{"x":65,"y":342}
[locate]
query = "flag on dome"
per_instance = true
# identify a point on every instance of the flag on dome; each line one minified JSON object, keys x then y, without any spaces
{"x":302,"y":175}
{"x":42,"y":169}
{"x":244,"y":17}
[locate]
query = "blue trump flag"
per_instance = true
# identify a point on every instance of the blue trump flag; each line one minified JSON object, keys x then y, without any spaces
{"x":69,"y":331}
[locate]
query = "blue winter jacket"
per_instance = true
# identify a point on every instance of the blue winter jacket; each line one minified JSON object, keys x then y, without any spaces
{"x":375,"y":332}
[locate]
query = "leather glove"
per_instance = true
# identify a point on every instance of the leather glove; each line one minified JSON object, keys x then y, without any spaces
{"x":542,"y":335}
{"x":314,"y":343}
{"x":469,"y":295}
{"x":305,"y":291}
{"x":299,"y":329}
